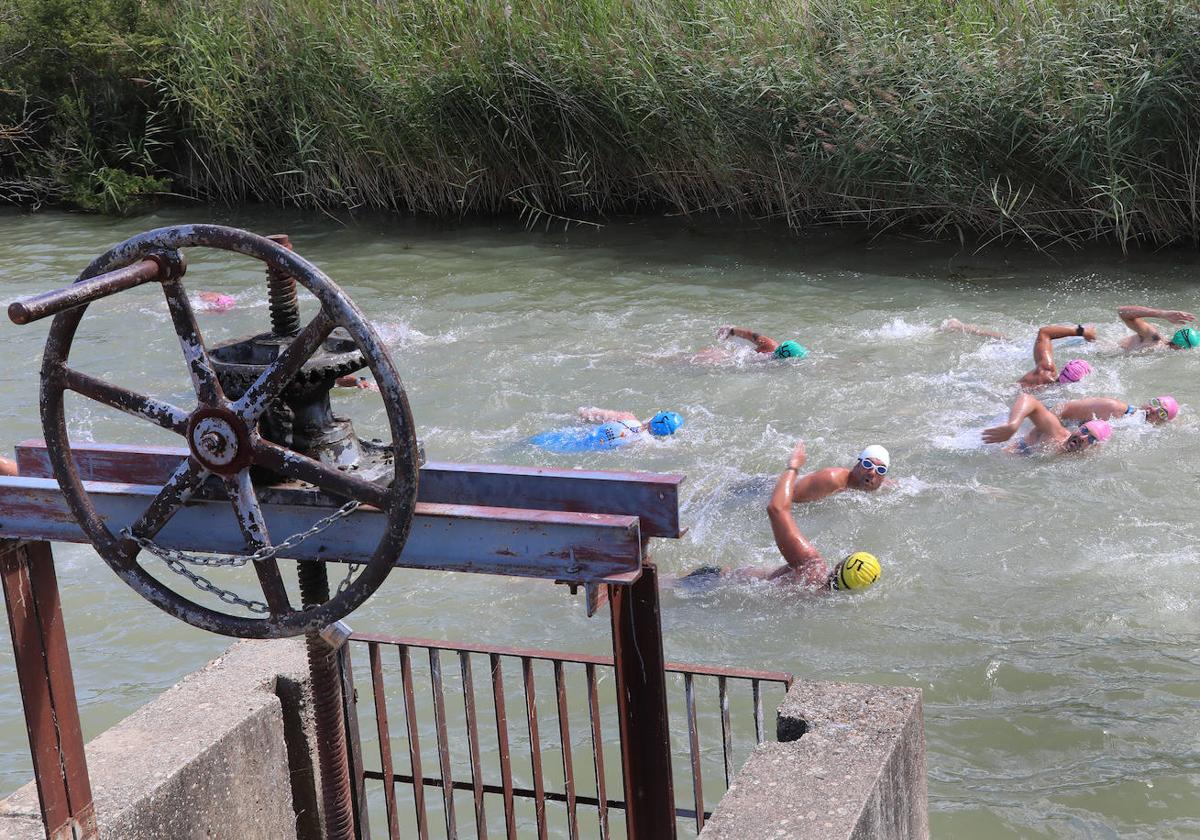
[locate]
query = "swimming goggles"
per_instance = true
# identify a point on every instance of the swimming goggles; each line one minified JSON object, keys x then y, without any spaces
{"x":1092,"y":439}
{"x":868,"y":465}
{"x":1160,"y":409}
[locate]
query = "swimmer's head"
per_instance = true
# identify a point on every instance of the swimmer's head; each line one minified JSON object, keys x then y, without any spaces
{"x":1161,"y":409}
{"x":664,"y":423}
{"x":1185,"y":338}
{"x":1074,"y":370}
{"x":791,"y":350}
{"x":1089,"y":434}
{"x":872,"y":465}
{"x":858,"y":571}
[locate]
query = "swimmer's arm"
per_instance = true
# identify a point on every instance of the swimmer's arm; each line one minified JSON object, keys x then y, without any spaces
{"x":1025,"y":406}
{"x":955,"y":325}
{"x":8,"y":467}
{"x":801,"y":555}
{"x":1094,"y":408}
{"x":817,"y":485}
{"x":762,"y":343}
{"x":1043,"y":347}
{"x":1134,"y":318}
{"x":591,"y":414}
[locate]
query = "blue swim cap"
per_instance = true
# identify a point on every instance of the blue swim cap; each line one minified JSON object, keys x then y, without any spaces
{"x":665,"y":423}
{"x":790,"y":350}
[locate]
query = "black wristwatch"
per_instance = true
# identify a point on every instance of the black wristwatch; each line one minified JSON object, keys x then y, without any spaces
{"x":1079,"y":329}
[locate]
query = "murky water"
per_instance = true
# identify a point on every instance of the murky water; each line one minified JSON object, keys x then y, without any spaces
{"x":1046,"y":607}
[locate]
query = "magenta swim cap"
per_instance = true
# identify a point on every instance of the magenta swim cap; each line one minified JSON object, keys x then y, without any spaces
{"x":1074,"y":370}
{"x":1098,"y":429}
{"x":1170,"y":405}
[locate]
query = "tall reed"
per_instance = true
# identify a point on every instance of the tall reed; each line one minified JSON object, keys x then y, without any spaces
{"x":1047,"y":120}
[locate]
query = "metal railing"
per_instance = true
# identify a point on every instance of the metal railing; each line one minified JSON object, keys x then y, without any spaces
{"x":483,"y":762}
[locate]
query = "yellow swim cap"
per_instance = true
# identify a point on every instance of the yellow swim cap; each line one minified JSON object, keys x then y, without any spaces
{"x":858,"y":571}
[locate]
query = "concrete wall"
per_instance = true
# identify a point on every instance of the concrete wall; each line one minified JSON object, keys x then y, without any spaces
{"x":206,"y":760}
{"x":850,"y":765}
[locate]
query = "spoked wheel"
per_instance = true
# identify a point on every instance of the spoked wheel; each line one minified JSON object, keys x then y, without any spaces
{"x":223,"y":439}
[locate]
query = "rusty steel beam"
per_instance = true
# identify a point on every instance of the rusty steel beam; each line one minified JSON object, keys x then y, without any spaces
{"x":43,"y":667}
{"x":653,"y":497}
{"x":642,"y":708}
{"x":456,"y":538}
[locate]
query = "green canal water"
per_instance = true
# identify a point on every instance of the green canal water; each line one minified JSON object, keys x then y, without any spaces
{"x":1046,"y":607}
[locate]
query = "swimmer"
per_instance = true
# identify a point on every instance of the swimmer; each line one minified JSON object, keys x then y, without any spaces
{"x":1048,"y":430}
{"x":1158,"y":410}
{"x":216,"y":301}
{"x":8,"y":466}
{"x":804,"y":564}
{"x":352,"y":381}
{"x":764,"y":344}
{"x":1044,"y":372}
{"x":1147,"y":337}
{"x":866,"y":475}
{"x":616,"y":429}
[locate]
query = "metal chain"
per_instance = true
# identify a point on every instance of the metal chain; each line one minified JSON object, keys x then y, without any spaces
{"x":175,"y":559}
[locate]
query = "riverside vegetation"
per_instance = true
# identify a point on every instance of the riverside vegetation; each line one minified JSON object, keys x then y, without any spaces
{"x":1045,"y":120}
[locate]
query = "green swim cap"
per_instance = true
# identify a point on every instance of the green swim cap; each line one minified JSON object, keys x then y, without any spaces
{"x":791,"y":350}
{"x":1186,"y":338}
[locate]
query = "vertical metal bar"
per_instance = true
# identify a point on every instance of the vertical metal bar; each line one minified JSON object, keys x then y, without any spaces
{"x":385,"y":742}
{"x":464,"y":659}
{"x":689,"y":690}
{"x":510,"y":823}
{"x":535,"y":747}
{"x":597,"y":751}
{"x":414,"y":743}
{"x":362,"y":819}
{"x":43,"y":666}
{"x":564,"y":737}
{"x":758,"y":711}
{"x":443,"y":741}
{"x":642,"y":708}
{"x":726,"y":731}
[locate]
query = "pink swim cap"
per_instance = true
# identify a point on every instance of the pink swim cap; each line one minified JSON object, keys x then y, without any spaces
{"x":1170,"y":405}
{"x":1098,"y":429}
{"x":1074,"y":370}
{"x":223,"y":301}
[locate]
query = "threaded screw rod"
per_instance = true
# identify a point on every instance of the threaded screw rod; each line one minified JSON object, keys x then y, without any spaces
{"x":281,"y":294}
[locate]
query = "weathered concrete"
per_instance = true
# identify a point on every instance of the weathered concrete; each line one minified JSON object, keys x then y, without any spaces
{"x":205,"y":760}
{"x":850,"y":765}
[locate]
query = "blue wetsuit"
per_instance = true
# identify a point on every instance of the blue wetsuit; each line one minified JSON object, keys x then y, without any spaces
{"x":611,"y":435}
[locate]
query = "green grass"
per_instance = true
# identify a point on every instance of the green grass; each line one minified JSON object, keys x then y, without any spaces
{"x":1046,"y":121}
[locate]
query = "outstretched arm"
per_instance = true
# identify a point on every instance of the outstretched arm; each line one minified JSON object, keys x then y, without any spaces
{"x":1092,"y":408}
{"x":1043,"y":348}
{"x":1135,"y":318}
{"x":1025,"y":406}
{"x":801,"y":555}
{"x":955,"y":325}
{"x":762,"y":343}
{"x":591,"y":414}
{"x":8,"y":467}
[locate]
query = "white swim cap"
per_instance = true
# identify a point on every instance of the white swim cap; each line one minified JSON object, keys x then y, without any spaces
{"x":877,"y":454}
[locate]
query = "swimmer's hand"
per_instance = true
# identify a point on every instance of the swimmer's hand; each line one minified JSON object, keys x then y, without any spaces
{"x":1178,"y":316}
{"x":999,"y":434}
{"x":1089,"y":333}
{"x":723,"y":332}
{"x":799,"y":456}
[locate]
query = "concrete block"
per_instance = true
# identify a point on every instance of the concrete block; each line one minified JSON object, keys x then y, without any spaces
{"x":205,"y":760}
{"x":850,"y":765}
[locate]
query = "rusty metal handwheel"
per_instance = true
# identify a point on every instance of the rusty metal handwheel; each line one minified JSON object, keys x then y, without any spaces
{"x":222,"y":435}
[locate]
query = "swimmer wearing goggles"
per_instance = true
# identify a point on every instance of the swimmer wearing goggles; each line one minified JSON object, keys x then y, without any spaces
{"x":867,"y":475}
{"x":1048,"y":430}
{"x":1045,"y":371}
{"x":1158,"y":410}
{"x":625,"y":424}
{"x":1147,"y":337}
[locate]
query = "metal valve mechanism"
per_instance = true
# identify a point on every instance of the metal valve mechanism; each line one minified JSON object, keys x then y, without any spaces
{"x":262,"y":416}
